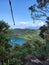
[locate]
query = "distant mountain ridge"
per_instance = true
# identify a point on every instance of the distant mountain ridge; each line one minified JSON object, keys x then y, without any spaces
{"x":23,"y":31}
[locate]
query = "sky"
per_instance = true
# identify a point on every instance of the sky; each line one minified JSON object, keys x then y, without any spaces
{"x":21,"y":14}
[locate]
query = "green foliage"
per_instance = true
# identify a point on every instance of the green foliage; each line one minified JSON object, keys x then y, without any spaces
{"x":35,"y":45}
{"x":3,"y":26}
{"x":4,"y":42}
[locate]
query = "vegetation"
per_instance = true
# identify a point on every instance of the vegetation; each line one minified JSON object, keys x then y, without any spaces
{"x":4,"y":45}
{"x":23,"y":33}
{"x":35,"y":45}
{"x":37,"y":41}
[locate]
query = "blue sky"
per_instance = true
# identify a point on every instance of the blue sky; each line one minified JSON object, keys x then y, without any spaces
{"x":21,"y":13}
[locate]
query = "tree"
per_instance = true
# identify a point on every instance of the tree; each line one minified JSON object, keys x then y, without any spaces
{"x":42,"y":3}
{"x":42,"y":30}
{"x":4,"y":42}
{"x":39,"y":11}
{"x":3,"y":26}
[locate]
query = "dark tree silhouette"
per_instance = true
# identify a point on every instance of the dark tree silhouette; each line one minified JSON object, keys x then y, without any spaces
{"x":4,"y":42}
{"x":39,"y":12}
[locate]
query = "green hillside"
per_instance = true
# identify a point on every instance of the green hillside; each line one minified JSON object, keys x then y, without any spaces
{"x":27,"y":34}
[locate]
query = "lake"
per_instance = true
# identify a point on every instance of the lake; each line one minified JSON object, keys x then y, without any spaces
{"x":14,"y":41}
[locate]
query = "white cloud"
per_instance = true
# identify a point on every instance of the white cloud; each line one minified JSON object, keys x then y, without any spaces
{"x":41,"y":23}
{"x":27,"y":24}
{"x":23,"y":23}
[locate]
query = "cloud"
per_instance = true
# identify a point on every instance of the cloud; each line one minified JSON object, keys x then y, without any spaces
{"x":41,"y":23}
{"x":27,"y":24}
{"x":32,"y":24}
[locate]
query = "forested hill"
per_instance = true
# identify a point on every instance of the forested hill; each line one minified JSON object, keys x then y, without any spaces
{"x":24,"y":33}
{"x":21,"y":31}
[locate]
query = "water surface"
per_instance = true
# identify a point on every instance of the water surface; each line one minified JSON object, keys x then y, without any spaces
{"x":14,"y":41}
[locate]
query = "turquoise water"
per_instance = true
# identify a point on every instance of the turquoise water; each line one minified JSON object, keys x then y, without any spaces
{"x":14,"y":41}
